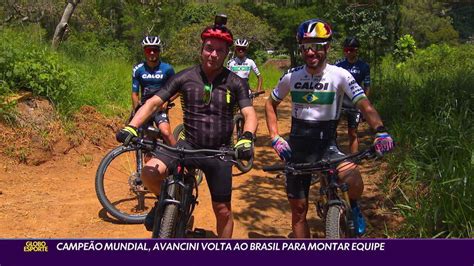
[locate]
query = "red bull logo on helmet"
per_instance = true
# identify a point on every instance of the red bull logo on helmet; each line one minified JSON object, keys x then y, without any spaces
{"x":318,"y":30}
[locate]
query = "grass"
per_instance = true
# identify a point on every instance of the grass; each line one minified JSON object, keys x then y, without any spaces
{"x":429,"y":110}
{"x":271,"y":75}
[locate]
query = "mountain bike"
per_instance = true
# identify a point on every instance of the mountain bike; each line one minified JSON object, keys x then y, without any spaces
{"x":179,"y":191}
{"x":333,"y":205}
{"x":242,"y":165}
{"x":118,"y":185}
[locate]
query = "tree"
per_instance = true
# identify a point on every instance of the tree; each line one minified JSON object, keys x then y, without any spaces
{"x":186,"y":43}
{"x":62,"y":27}
{"x":427,"y":21}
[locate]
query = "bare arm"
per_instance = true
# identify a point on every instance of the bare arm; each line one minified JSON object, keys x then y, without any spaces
{"x":150,"y":106}
{"x":250,"y":118}
{"x":367,"y":91}
{"x":260,"y":82}
{"x":135,"y":100}
{"x":370,"y":114}
{"x":271,"y":117}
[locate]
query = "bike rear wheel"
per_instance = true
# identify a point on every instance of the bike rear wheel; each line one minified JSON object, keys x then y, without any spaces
{"x":118,"y":187}
{"x":337,"y":223}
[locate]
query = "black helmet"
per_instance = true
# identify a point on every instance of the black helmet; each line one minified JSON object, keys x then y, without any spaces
{"x":351,"y":42}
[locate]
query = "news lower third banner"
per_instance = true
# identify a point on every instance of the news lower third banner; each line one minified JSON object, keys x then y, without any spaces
{"x":236,"y":252}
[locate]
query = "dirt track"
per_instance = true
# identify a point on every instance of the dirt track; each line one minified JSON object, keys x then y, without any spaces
{"x":57,"y":199}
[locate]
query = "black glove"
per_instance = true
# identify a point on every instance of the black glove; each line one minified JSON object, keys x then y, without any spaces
{"x":244,"y":146}
{"x":126,"y":134}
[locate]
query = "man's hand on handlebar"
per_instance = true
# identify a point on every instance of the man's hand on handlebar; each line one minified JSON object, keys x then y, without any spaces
{"x":126,"y":134}
{"x":244,"y":147}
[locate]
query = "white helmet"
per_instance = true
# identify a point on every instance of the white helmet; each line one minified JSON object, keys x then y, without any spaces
{"x":151,"y":41}
{"x":241,"y":43}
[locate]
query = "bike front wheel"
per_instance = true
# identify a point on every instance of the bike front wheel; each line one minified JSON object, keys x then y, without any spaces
{"x":169,"y":219}
{"x":337,"y":223}
{"x":119,"y":187}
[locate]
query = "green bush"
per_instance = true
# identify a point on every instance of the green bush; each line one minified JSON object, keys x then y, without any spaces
{"x":428,"y":106}
{"x":29,"y":65}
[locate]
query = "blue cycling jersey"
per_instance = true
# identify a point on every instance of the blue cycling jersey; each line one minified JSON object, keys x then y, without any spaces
{"x":360,"y":70}
{"x":150,"y":80}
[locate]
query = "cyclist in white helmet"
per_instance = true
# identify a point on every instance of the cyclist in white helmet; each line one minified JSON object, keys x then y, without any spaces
{"x":241,"y":64}
{"x":148,"y":77}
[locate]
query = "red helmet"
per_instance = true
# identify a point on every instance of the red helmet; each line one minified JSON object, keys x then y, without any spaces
{"x":219,"y":32}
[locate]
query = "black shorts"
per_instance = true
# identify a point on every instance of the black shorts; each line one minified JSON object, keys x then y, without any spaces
{"x":305,"y":150}
{"x":353,"y":118}
{"x":157,"y":118}
{"x":218,"y":173}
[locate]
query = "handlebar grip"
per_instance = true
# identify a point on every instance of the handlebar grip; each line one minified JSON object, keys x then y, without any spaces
{"x":273,"y":168}
{"x":258,"y":93}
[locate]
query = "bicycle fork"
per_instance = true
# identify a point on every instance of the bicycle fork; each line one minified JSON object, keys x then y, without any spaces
{"x":329,"y":197}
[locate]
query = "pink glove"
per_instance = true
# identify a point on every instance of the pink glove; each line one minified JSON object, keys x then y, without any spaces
{"x":383,"y":143}
{"x":280,"y":145}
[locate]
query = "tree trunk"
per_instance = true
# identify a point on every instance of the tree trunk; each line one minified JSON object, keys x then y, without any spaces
{"x":62,"y":26}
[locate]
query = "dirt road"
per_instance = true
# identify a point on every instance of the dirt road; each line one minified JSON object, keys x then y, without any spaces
{"x":57,"y":198}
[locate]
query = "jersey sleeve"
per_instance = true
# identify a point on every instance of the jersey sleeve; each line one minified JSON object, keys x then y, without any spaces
{"x":171,"y":87}
{"x":255,"y":68}
{"x":170,"y":72}
{"x":229,"y":64}
{"x":243,"y":89}
{"x":282,"y":89}
{"x":351,"y":88}
{"x":135,"y":81}
{"x":366,"y":80}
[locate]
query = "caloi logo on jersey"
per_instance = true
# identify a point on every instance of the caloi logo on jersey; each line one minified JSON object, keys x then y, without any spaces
{"x":152,"y":76}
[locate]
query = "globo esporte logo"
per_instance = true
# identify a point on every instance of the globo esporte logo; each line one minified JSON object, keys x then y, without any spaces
{"x":35,"y":246}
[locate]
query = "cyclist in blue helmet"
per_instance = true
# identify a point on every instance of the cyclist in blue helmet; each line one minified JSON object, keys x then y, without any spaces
{"x":317,"y":89}
{"x":360,"y":70}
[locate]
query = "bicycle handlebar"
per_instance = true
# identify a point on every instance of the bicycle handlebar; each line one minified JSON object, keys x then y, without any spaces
{"x":151,"y":145}
{"x":256,"y":94}
{"x":322,"y":164}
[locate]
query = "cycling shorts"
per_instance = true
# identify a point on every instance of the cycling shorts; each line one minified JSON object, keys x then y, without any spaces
{"x":218,"y":173}
{"x":157,"y":118}
{"x":353,"y":118}
{"x":304,"y":150}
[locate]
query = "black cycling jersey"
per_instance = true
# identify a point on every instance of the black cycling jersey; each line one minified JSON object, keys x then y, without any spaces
{"x":207,"y":125}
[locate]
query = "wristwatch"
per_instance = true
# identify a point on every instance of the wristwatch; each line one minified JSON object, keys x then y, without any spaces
{"x":381,"y":129}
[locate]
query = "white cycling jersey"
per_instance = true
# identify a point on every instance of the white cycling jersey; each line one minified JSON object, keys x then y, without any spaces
{"x":317,"y":98}
{"x":242,"y":67}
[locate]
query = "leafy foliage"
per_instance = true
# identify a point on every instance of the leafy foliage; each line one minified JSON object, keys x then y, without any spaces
{"x":29,"y":66}
{"x":429,"y":108}
{"x":405,"y":48}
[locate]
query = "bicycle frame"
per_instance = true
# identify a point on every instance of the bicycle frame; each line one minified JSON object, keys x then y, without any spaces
{"x":332,"y":192}
{"x":186,"y":184}
{"x":180,"y":188}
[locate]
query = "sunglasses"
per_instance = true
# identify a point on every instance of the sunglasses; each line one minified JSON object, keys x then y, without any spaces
{"x":149,"y":50}
{"x":350,"y":49}
{"x":210,"y":49}
{"x":241,"y":49}
{"x":207,"y":93}
{"x":313,"y":46}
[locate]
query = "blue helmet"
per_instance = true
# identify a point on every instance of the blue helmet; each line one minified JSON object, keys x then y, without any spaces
{"x":314,"y":29}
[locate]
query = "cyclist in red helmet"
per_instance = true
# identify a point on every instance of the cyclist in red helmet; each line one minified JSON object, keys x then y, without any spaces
{"x":317,"y":89}
{"x":209,"y":93}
